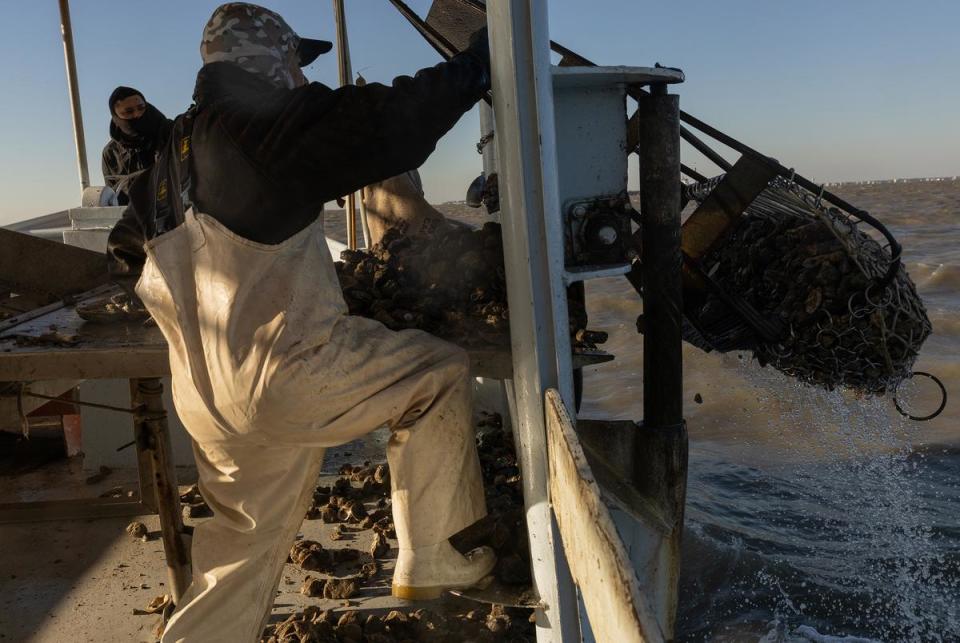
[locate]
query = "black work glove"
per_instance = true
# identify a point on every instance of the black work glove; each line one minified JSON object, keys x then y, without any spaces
{"x":479,"y":50}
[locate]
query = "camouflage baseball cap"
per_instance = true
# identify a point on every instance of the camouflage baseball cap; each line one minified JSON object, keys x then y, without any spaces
{"x":259,"y":40}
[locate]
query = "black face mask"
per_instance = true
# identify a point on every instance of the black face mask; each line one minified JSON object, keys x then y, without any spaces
{"x":142,"y":130}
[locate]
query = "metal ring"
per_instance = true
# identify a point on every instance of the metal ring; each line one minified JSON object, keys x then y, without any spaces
{"x":922,"y":418}
{"x":886,"y":297}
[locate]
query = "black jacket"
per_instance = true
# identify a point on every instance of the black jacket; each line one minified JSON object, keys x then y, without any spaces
{"x":265,"y":160}
{"x":124,"y":157}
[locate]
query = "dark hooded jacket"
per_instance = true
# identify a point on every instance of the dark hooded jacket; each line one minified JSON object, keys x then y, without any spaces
{"x":264,"y":160}
{"x":130,"y":152}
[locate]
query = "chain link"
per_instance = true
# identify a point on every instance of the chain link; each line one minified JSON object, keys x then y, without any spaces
{"x":482,"y":143}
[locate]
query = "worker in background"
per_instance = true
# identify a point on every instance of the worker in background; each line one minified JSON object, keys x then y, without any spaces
{"x":224,"y":243}
{"x":137,"y":130}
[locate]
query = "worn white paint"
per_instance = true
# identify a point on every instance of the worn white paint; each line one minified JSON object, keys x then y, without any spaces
{"x":617,"y":607}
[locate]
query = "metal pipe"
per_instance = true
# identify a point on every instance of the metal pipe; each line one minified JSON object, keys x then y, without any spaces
{"x":76,"y":403}
{"x":533,"y":256}
{"x":66,"y":32}
{"x":490,"y":148}
{"x":364,"y":220}
{"x":433,"y":37}
{"x":660,"y":450}
{"x":662,"y":302}
{"x":705,"y":149}
{"x":346,"y":78}
{"x":693,"y":174}
{"x":154,"y":431}
{"x":343,"y":46}
{"x":350,"y":212}
{"x":141,"y":438}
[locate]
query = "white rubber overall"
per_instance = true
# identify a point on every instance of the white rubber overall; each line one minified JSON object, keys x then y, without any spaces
{"x":268,"y":370}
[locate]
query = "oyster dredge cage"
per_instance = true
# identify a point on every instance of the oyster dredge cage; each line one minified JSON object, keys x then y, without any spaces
{"x":801,"y":284}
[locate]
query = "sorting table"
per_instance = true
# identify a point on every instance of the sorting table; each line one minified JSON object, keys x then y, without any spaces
{"x":54,"y":343}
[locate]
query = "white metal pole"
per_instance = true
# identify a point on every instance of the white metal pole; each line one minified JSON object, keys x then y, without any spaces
{"x":533,"y":254}
{"x":364,"y":220}
{"x":66,"y":31}
{"x":490,"y":148}
{"x":346,"y":78}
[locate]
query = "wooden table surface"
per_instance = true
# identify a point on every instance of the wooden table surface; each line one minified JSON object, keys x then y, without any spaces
{"x":132,"y":349}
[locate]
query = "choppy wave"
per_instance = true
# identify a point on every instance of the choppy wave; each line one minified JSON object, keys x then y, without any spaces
{"x":805,"y":634}
{"x":939,"y":276}
{"x":859,"y":548}
{"x":815,"y":517}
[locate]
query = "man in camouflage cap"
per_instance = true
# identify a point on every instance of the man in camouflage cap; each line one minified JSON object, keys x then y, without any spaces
{"x":259,"y":41}
{"x":224,"y":244}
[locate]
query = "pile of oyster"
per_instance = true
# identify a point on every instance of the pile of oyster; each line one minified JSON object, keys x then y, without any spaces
{"x":359,"y":500}
{"x":820,"y":279}
{"x":451,"y":284}
{"x":488,"y":625}
{"x":505,"y":526}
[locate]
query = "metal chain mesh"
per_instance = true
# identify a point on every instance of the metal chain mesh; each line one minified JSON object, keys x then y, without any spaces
{"x":813,"y":269}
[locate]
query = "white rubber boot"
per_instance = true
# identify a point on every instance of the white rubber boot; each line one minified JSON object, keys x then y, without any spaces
{"x":426,"y":572}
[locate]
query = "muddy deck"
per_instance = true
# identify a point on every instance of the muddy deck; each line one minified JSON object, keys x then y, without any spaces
{"x":86,"y":580}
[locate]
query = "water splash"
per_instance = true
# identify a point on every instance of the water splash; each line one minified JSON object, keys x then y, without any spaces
{"x":854,"y":532}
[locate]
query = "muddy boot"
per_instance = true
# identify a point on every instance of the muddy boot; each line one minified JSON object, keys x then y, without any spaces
{"x":426,"y":572}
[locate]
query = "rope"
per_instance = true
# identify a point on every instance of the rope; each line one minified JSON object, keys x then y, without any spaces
{"x":23,"y":392}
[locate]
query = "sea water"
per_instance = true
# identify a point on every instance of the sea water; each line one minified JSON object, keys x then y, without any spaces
{"x":815,"y":515}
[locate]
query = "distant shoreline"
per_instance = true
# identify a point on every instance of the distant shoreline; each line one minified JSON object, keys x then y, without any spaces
{"x":923,"y":179}
{"x":829,"y":184}
{"x":919,"y":179}
{"x":59,"y":218}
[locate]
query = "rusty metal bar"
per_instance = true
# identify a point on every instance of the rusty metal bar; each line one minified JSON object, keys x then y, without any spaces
{"x":154,"y":439}
{"x":66,"y":31}
{"x":705,"y":149}
{"x":350,"y":213}
{"x":76,"y":403}
{"x":148,"y":495}
{"x":686,"y":134}
{"x":692,"y":173}
{"x":73,"y":509}
{"x":660,"y":209}
{"x":433,"y":37}
{"x":343,"y":44}
{"x":660,"y":451}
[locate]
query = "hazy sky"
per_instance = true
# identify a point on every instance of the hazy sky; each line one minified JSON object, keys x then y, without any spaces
{"x":839,"y":89}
